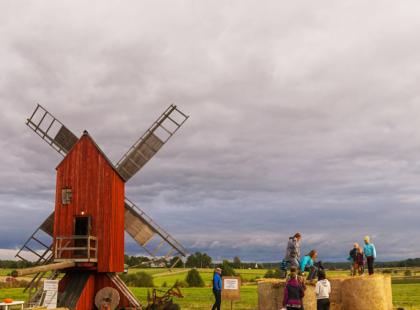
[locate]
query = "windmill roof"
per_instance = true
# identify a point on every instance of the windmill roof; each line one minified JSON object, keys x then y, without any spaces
{"x":86,"y":134}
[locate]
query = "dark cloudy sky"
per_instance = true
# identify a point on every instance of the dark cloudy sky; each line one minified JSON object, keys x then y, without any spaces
{"x":304,"y":117}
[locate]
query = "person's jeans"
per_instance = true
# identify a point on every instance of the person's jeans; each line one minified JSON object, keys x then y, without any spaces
{"x":294,"y":262}
{"x":312,"y":272}
{"x":370,"y":261}
{"x":218,"y":299}
{"x":323,"y":304}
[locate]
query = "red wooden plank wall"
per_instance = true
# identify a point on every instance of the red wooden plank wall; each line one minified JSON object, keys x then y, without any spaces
{"x":87,"y":298}
{"x":98,"y":191}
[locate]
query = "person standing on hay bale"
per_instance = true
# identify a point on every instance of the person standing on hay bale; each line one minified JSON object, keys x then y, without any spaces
{"x":293,"y":250}
{"x":217,"y":288}
{"x":294,"y":291}
{"x":322,"y":292}
{"x":356,"y":258}
{"x":308,"y":264}
{"x":360,"y":261}
{"x":370,"y":253}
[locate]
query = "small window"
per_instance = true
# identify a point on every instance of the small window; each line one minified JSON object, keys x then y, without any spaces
{"x":66,"y":196}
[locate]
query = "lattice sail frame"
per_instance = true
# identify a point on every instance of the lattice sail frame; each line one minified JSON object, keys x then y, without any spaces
{"x":150,"y":142}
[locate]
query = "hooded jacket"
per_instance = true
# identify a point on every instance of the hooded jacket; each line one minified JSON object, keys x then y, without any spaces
{"x":293,"y":293}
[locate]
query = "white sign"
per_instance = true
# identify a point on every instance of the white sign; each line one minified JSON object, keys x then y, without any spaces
{"x":50,"y":294}
{"x":231,"y":284}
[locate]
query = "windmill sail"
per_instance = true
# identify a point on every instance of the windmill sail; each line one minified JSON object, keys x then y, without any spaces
{"x":150,"y":142}
{"x":38,"y":245}
{"x":51,"y":130}
{"x":143,"y":229}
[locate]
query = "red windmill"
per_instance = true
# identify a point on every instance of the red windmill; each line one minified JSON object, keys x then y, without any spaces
{"x":86,"y":231}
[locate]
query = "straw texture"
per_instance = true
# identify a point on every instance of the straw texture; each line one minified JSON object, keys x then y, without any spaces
{"x":361,"y":293}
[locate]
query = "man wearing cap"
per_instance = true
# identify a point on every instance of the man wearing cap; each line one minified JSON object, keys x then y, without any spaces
{"x":217,"y":288}
{"x":370,"y":253}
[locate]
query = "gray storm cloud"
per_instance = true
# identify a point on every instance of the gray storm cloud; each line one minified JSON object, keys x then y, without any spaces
{"x":304,"y":117}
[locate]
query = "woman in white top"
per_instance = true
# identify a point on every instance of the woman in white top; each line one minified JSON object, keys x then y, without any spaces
{"x":322,"y":291}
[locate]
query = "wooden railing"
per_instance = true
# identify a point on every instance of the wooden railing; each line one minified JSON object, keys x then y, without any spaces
{"x":77,"y":248}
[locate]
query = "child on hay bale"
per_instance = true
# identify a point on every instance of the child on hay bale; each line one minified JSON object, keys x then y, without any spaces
{"x":308,"y":264}
{"x":322,"y":292}
{"x":293,"y":292}
{"x":370,"y":253}
{"x":356,"y":257}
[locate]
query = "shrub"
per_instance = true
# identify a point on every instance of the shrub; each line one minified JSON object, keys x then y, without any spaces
{"x":269,"y":274}
{"x":181,"y":283}
{"x":13,"y":283}
{"x":273,"y":273}
{"x":407,"y":273}
{"x":194,"y":279}
{"x":227,"y":269}
{"x":139,"y":279}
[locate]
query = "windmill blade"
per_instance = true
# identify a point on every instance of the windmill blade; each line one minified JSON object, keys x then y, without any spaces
{"x":39,"y":244}
{"x":51,"y":130}
{"x":143,"y":229}
{"x":150,"y":142}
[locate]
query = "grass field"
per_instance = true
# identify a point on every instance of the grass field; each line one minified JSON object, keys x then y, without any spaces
{"x":4,"y":271}
{"x":405,"y":293}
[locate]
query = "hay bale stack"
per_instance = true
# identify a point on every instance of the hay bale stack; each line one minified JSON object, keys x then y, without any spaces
{"x":361,"y":293}
{"x":366,"y":293}
{"x":270,"y":295}
{"x":388,"y":291}
{"x":336,"y":292}
{"x":309,"y":301}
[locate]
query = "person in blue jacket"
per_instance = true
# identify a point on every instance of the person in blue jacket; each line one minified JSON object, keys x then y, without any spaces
{"x":370,"y":253}
{"x":217,"y":288}
{"x":307,"y":264}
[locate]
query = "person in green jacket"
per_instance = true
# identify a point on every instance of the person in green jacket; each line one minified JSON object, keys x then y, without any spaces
{"x":370,"y":253}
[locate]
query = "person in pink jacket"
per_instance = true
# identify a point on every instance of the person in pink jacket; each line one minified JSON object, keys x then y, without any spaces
{"x":293,"y":292}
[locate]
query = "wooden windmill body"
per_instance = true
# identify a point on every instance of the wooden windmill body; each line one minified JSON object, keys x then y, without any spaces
{"x":91,"y":215}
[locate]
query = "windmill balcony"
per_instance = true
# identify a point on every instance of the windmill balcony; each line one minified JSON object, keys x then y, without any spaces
{"x":76,"y":248}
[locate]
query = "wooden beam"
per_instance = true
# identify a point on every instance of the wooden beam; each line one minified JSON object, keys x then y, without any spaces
{"x":43,"y":268}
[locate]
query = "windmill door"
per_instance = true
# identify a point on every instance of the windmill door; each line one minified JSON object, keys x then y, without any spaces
{"x":82,"y":226}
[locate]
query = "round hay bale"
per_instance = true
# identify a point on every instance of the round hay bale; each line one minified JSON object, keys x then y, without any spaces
{"x":388,"y":292}
{"x":335,"y":296}
{"x":309,"y":300}
{"x":365,"y":293}
{"x":268,"y":294}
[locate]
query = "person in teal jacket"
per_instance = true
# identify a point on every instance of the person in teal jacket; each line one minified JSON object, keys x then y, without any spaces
{"x":370,"y":253}
{"x":307,"y":264}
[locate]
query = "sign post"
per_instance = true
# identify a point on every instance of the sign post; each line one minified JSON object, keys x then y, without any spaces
{"x":50,"y":294}
{"x":231,"y":289}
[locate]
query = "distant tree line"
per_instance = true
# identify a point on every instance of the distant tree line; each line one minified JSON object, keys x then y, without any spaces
{"x":203,"y":260}
{"x":12,"y":264}
{"x":135,"y":260}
